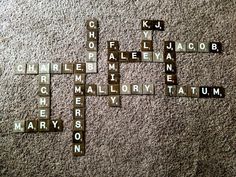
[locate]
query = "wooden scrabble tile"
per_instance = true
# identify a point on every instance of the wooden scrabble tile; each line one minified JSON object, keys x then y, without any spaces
{"x":19,"y":126}
{"x":146,"y":45}
{"x":56,"y":125}
{"x":114,"y":101}
{"x":79,"y":68}
{"x":146,"y":25}
{"x":171,"y":79}
{"x":147,"y":35}
{"x":146,"y":56}
{"x":180,"y":46}
{"x":158,"y":57}
{"x":90,"y":90}
{"x":215,"y":47}
{"x":44,"y":102}
{"x":125,"y":89}
{"x":102,"y":90}
{"x":79,"y":101}
{"x":78,"y":149}
{"x":44,"y":79}
{"x":31,"y":126}
{"x":170,"y":68}
{"x":113,"y":67}
{"x":148,"y":89}
{"x":135,"y":56}
{"x":170,"y":90}
{"x":91,"y":67}
{"x":56,"y":68}
{"x":158,"y":25}
{"x":193,"y":91}
{"x":124,"y":56}
{"x":44,"y":125}
{"x":91,"y":46}
{"x":205,"y":92}
{"x":44,"y":90}
{"x":169,"y":56}
{"x":79,"y":90}
{"x":191,"y":46}
{"x":113,"y":78}
{"x":113,"y":45}
{"x":203,"y":47}
{"x":20,"y":68}
{"x":113,"y":89}
{"x":78,"y":113}
{"x":136,"y":89}
{"x":67,"y":68}
{"x":91,"y":56}
{"x":92,"y":24}
{"x":44,"y":68}
{"x":44,"y":113}
{"x":169,"y":46}
{"x":32,"y":69}
{"x":113,"y":56}
{"x":92,"y":35}
{"x":78,"y":137}
{"x":78,"y":125}
{"x":218,"y":92}
{"x":182,"y":91}
{"x":79,"y":78}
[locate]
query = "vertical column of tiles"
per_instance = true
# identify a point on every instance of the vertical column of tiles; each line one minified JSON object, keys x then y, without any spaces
{"x":147,"y":41}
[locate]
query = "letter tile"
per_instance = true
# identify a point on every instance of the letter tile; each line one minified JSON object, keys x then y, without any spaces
{"x":102,"y":90}
{"x":56,"y":125}
{"x":146,"y":45}
{"x":113,"y":56}
{"x":31,"y":126}
{"x":113,"y":45}
{"x":91,"y":67}
{"x":20,"y":68}
{"x":114,"y":89}
{"x":203,"y":47}
{"x":169,"y":46}
{"x":79,"y":90}
{"x":78,"y":125}
{"x":136,"y":89}
{"x":79,"y":68}
{"x":114,"y":101}
{"x":32,"y":69}
{"x":19,"y":126}
{"x":44,"y":113}
{"x":158,"y":57}
{"x":125,"y":89}
{"x":147,"y":35}
{"x":146,"y":56}
{"x":158,"y":25}
{"x":170,"y":68}
{"x":148,"y":89}
{"x":56,"y":68}
{"x":169,"y":56}
{"x":92,"y":35}
{"x":171,"y":90}
{"x":78,"y":149}
{"x":182,"y":91}
{"x":205,"y":92}
{"x":193,"y":91}
{"x":171,"y":79}
{"x":124,"y":56}
{"x":68,"y":68}
{"x":44,"y":102}
{"x":218,"y":92}
{"x":146,"y":25}
{"x":191,"y":46}
{"x":91,"y":56}
{"x":113,"y":78}
{"x":79,"y":101}
{"x":180,"y":47}
{"x":44,"y":125}
{"x":90,"y":90}
{"x":79,"y":78}
{"x":92,"y":24}
{"x":44,"y":68}
{"x":113,"y":67}
{"x":78,"y":137}
{"x":44,"y":79}
{"x":44,"y":90}
{"x":215,"y":47}
{"x":78,"y":113}
{"x":135,"y":56}
{"x":91,"y":46}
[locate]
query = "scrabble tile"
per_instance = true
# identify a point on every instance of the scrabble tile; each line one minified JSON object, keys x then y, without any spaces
{"x":148,"y":89}
{"x":135,"y":56}
{"x":92,"y":35}
{"x":91,"y":67}
{"x":114,"y":101}
{"x":91,"y":56}
{"x":20,"y":68}
{"x":78,"y":125}
{"x":146,"y":56}
{"x":56,"y":125}
{"x":170,"y":90}
{"x":44,"y":90}
{"x":31,"y":126}
{"x":193,"y":91}
{"x":56,"y":68}
{"x":32,"y":69}
{"x":218,"y":92}
{"x":147,"y":35}
{"x":79,"y":101}
{"x":44,"y":79}
{"x":102,"y":90}
{"x":158,"y":25}
{"x":215,"y":47}
{"x":125,"y":89}
{"x":113,"y":56}
{"x":169,"y":56}
{"x":170,"y":68}
{"x":113,"y":89}
{"x":182,"y":91}
{"x":158,"y":57}
{"x":146,"y":25}
{"x":113,"y":78}
{"x":191,"y":46}
{"x":113,"y":45}
{"x":203,"y":47}
{"x":68,"y":68}
{"x":124,"y":56}
{"x":171,"y":79}
{"x":92,"y":24}
{"x":44,"y":102}
{"x":146,"y":45}
{"x":78,"y":137}
{"x":79,"y":78}
{"x":91,"y":46}
{"x":44,"y":113}
{"x":90,"y":90}
{"x":113,"y":67}
{"x":78,"y":113}
{"x":205,"y":92}
{"x":44,"y":125}
{"x":180,"y":46}
{"x":44,"y":68}
{"x":79,"y":68}
{"x":79,"y":90}
{"x":19,"y":126}
{"x":78,"y":149}
{"x":136,"y":89}
{"x":169,"y":46}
